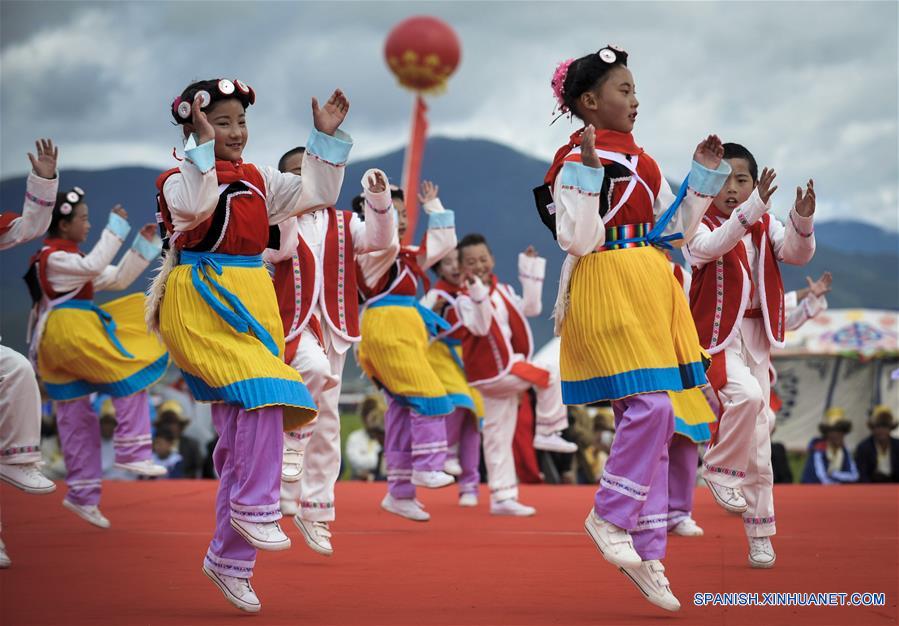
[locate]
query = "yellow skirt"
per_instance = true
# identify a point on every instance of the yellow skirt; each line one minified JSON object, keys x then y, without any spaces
{"x":221,"y":364}
{"x":692,"y":414}
{"x":394,"y":354}
{"x":446,"y":361}
{"x":628,"y":329}
{"x":77,"y":356}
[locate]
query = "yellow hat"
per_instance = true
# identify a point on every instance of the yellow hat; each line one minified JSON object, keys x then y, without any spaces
{"x":172,"y":406}
{"x":835,"y":419}
{"x":882,"y":415}
{"x":107,"y":409}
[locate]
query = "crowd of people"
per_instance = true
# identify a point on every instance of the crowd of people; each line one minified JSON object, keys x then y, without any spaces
{"x":264,"y":288}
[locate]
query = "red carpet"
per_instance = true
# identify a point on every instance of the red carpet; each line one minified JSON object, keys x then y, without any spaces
{"x":463,"y":567}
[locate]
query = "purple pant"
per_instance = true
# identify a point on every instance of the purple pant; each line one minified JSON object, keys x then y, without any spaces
{"x":79,"y":437}
{"x":411,"y":442}
{"x":462,"y":430}
{"x":683,"y":461}
{"x":633,"y":490}
{"x":247,"y":459}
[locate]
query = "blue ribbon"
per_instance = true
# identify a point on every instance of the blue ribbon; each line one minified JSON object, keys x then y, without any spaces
{"x":654,"y":237}
{"x":452,"y":343}
{"x":238,"y":317}
{"x":105,"y":319}
{"x":433,"y":322}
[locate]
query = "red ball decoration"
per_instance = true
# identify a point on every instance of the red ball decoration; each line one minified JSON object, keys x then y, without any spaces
{"x":422,"y":52}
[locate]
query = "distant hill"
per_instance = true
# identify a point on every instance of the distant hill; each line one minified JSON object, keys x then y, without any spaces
{"x":488,"y":185}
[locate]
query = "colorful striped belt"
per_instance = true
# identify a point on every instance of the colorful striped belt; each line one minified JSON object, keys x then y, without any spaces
{"x":626,"y":236}
{"x":105,"y":319}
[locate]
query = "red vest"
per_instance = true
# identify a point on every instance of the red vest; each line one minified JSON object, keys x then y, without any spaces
{"x":239,"y":224}
{"x":490,"y":357}
{"x":6,"y":220}
{"x":52,"y":245}
{"x":722,"y":290}
{"x":299,"y":285}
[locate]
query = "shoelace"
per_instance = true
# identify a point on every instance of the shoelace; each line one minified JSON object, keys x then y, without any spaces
{"x":759,"y":546}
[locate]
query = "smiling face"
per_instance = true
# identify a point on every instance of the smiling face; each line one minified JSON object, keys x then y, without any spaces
{"x":613,"y":103}
{"x":448,"y":268}
{"x":229,"y":120}
{"x":737,"y":188}
{"x":77,"y":228}
{"x":477,"y":260}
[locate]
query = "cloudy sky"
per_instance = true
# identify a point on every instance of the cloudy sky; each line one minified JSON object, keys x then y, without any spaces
{"x":809,"y":87}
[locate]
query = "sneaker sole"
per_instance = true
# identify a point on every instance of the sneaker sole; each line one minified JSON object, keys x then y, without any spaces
{"x":310,"y":541}
{"x":758,"y":565}
{"x":240,"y":604}
{"x":724,"y":505}
{"x":621,"y":564}
{"x":398,"y":514}
{"x":291,"y":478}
{"x":32,"y":490}
{"x":646,"y":595}
{"x":559,"y":450}
{"x":138,"y":472}
{"x":87,"y":519}
{"x":270,"y":547}
{"x":511,"y":514}
{"x":427,"y":486}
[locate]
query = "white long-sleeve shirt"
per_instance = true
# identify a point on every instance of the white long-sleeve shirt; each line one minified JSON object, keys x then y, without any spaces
{"x":37,"y":211}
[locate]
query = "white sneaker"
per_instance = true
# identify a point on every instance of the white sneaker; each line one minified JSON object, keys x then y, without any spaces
{"x":316,"y":534}
{"x":650,"y":579}
{"x":468,"y":499}
{"x":238,"y":591}
{"x":5,"y":561}
{"x":263,"y":535}
{"x":432,"y":479}
{"x":615,"y":543}
{"x":452,"y":467}
{"x":761,"y":553}
{"x":292,"y":466}
{"x":729,"y":499}
{"x":687,"y":527}
{"x":512,"y":507}
{"x":405,"y":507}
{"x":27,"y":477}
{"x":554,"y":443}
{"x":289,"y":507}
{"x":88,"y":512}
{"x":143,"y":468}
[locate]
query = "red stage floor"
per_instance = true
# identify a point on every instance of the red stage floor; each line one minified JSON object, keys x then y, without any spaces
{"x":463,"y":567}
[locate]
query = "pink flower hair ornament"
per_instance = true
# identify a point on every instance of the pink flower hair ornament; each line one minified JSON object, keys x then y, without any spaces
{"x":558,"y":83}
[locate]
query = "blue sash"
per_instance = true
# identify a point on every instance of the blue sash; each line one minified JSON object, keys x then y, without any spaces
{"x":433,"y":322}
{"x":105,"y":319}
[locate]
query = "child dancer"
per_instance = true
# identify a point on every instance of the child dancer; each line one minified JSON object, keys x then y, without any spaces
{"x":315,"y":281}
{"x":215,"y":307}
{"x":82,"y":348}
{"x":393,"y":353}
{"x":445,"y":356}
{"x":738,"y":303}
{"x":498,"y":364}
{"x":625,"y":327}
{"x":20,"y":398}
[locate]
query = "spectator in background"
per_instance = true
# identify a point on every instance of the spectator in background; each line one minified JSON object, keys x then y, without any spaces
{"x":364,"y":446}
{"x":105,"y":409}
{"x":594,"y":438}
{"x":877,"y":456}
{"x":829,"y":462}
{"x":165,"y":451}
{"x":170,"y":414}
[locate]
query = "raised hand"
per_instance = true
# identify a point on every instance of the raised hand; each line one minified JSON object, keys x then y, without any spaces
{"x":764,"y":188}
{"x":377,"y":183}
{"x":531,"y":251}
{"x":805,"y":203}
{"x":44,"y":164}
{"x":821,"y":286}
{"x":428,"y":192}
{"x":327,"y":119}
{"x":120,"y":211}
{"x":588,"y":147}
{"x":709,"y":152}
{"x":148,"y":231}
{"x":205,"y":131}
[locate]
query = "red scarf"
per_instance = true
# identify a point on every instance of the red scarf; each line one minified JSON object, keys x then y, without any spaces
{"x":229,"y":172}
{"x":58,"y":243}
{"x":448,"y":287}
{"x":609,"y":140}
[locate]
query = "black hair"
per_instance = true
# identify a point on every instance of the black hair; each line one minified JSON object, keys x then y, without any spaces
{"x":358,"y":206}
{"x":589,"y":72}
{"x":164,"y":431}
{"x":472,"y":239}
{"x":211,"y":86}
{"x":282,"y":161}
{"x":397,"y":193}
{"x":736,"y":151}
{"x":64,"y":209}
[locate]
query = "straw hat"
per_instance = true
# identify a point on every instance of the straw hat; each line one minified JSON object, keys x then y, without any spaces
{"x":835,"y":419}
{"x":882,"y":416}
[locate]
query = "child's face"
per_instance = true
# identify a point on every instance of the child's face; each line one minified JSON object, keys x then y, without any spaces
{"x":162,"y":447}
{"x":229,"y":120}
{"x":401,"y":221}
{"x":294,"y":164}
{"x":737,"y":188}
{"x":478,"y":261}
{"x":448,"y":268}
{"x":77,"y":228}
{"x":613,"y":105}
